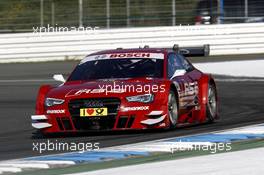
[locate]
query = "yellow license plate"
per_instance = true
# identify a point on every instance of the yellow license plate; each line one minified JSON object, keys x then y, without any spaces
{"x":89,"y":112}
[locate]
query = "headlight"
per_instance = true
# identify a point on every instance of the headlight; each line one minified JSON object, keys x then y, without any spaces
{"x":146,"y":98}
{"x":53,"y":101}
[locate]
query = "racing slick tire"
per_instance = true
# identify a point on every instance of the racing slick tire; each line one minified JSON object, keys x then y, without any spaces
{"x":211,"y":106}
{"x":173,"y":109}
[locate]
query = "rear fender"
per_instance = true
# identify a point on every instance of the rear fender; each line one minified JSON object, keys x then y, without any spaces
{"x":203,"y":96}
{"x":203,"y":87}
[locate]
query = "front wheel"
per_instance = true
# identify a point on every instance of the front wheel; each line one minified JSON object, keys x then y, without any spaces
{"x":172,"y":109}
{"x":211,"y":106}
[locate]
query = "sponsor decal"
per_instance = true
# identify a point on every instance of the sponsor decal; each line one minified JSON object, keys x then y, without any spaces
{"x":189,"y":94}
{"x":123,"y":55}
{"x":188,"y":88}
{"x":59,"y":111}
{"x":89,"y":112}
{"x":92,"y":91}
{"x":136,"y":108}
{"x":130,"y":55}
{"x":191,"y":88}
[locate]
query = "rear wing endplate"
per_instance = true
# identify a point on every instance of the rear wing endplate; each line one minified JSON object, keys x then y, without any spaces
{"x":193,"y":51}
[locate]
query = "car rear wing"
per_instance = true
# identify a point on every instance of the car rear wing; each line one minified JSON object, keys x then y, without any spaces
{"x":193,"y":51}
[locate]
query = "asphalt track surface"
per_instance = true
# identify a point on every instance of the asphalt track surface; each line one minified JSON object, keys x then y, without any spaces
{"x":241,"y":103}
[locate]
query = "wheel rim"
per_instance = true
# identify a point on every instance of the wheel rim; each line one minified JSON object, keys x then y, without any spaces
{"x":212,"y":101}
{"x":173,"y":109}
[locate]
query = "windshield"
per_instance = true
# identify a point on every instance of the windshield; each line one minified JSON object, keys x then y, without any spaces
{"x":118,"y":68}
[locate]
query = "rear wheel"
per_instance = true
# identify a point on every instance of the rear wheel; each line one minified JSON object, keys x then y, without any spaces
{"x":211,"y":106}
{"x":172,"y":109}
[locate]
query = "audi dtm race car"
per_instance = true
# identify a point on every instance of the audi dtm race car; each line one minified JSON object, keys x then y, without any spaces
{"x":129,"y":89}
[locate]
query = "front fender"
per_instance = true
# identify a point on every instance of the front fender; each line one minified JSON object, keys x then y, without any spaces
{"x":40,"y":106}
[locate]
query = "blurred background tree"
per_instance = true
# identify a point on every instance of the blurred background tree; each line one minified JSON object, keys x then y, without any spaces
{"x":22,"y":15}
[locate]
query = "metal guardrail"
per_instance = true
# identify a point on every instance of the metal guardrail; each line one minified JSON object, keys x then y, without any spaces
{"x":223,"y":40}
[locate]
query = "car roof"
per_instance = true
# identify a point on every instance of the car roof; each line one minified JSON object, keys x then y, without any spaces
{"x":136,"y":50}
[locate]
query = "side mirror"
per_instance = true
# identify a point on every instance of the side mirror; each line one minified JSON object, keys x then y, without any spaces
{"x":178,"y":72}
{"x":59,"y":77}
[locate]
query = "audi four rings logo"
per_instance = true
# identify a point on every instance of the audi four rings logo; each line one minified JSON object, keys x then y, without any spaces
{"x":93,"y":104}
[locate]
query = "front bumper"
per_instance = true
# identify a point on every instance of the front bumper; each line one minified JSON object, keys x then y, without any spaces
{"x":47,"y":123}
{"x":40,"y":121}
{"x":122,"y":116}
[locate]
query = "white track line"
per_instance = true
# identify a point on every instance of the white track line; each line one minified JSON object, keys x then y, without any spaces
{"x":165,"y":146}
{"x":249,"y":68}
{"x":239,"y":80}
{"x":50,"y":162}
{"x":26,"y":165}
{"x":10,"y":169}
{"x":17,"y":165}
{"x":231,"y":163}
{"x":26,"y":80}
{"x":39,"y":60}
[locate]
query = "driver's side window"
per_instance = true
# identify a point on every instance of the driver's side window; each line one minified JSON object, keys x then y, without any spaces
{"x":173,"y":64}
{"x":186,"y":65}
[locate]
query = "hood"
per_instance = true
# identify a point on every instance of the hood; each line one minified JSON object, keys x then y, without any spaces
{"x":108,"y":87}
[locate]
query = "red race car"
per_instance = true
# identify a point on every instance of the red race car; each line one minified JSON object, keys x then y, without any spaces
{"x":129,"y":89}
